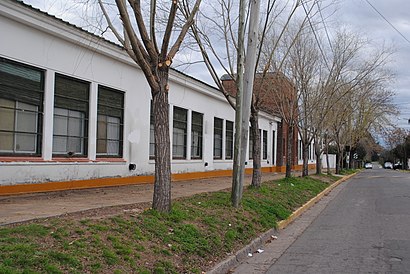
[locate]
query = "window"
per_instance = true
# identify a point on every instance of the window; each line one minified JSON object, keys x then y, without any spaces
{"x":311,"y":151}
{"x":196,"y":135}
{"x":179,"y":133}
{"x":70,"y":116}
{"x":265,"y":145}
{"x":110,"y":122}
{"x":229,"y":140}
{"x":218,"y":129}
{"x":273,"y":147}
{"x":151,"y":133}
{"x":300,"y":150}
{"x":284,"y":152}
{"x":250,"y":144}
{"x":21,"y":105}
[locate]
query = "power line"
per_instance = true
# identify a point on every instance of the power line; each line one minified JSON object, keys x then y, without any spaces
{"x":385,"y":19}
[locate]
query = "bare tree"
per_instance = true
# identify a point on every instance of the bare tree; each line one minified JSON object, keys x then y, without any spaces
{"x":226,"y":29}
{"x":298,"y":66}
{"x":348,"y":77}
{"x":303,"y":66}
{"x":140,"y":40}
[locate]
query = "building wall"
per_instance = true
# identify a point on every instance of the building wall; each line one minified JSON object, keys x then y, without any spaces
{"x":311,"y":152}
{"x":274,"y":91}
{"x":36,"y":39}
{"x":332,"y":161}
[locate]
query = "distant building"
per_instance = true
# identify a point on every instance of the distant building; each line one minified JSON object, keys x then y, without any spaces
{"x":275,"y":91}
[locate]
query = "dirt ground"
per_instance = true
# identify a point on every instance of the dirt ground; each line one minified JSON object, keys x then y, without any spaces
{"x":102,"y":201}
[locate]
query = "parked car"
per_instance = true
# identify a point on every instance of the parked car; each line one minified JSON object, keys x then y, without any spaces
{"x":388,"y":165}
{"x":368,"y":165}
{"x":398,"y":166}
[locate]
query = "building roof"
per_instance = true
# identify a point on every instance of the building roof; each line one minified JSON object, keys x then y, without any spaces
{"x":101,"y":38}
{"x":108,"y":42}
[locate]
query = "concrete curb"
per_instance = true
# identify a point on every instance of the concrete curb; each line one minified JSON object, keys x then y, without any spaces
{"x":242,"y":254}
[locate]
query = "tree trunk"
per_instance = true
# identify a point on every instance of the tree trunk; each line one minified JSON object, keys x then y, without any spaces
{"x":239,"y":155}
{"x":351,"y":158}
{"x":344,"y":164}
{"x":162,"y":184}
{"x":327,"y":156}
{"x":339,"y":160}
{"x":248,"y":79}
{"x":318,"y":159}
{"x":256,"y":149}
{"x":305,"y":156}
{"x":289,"y":145}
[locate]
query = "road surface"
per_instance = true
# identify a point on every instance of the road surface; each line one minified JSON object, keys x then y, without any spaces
{"x":365,"y":228}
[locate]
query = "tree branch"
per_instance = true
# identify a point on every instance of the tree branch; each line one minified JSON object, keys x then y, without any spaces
{"x":140,"y":55}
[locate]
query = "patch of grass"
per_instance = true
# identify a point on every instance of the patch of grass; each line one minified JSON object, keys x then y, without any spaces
{"x":30,"y":230}
{"x":199,"y":230}
{"x":348,"y":171}
{"x":110,"y":257}
{"x":99,"y":227}
{"x":60,"y":233}
{"x":164,"y":267}
{"x":64,"y":259}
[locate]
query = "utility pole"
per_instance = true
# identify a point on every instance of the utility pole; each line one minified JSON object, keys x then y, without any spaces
{"x":237,"y":178}
{"x":244,"y":96}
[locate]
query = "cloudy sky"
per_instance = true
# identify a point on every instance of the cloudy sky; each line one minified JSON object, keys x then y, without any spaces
{"x":383,"y":21}
{"x":388,"y":27}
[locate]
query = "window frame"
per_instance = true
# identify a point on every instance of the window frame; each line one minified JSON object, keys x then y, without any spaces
{"x":151,"y":154}
{"x":85,"y":120}
{"x":220,"y":140}
{"x":38,"y":133}
{"x":250,"y":144}
{"x":229,"y":148}
{"x":200,"y":135}
{"x":185,"y":129}
{"x":273,"y":147}
{"x":264,"y":144}
{"x":120,"y":110}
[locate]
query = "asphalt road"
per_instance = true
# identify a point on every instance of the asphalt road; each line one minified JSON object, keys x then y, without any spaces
{"x":365,"y":228}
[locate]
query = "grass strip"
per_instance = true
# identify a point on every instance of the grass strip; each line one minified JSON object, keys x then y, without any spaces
{"x":199,"y":232}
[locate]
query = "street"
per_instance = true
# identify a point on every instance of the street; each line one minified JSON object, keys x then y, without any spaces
{"x":364,"y":229}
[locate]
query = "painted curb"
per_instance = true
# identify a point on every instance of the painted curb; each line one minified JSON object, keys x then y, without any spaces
{"x":234,"y":260}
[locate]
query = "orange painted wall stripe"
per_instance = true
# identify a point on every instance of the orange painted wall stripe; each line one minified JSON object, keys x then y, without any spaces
{"x":121,"y":181}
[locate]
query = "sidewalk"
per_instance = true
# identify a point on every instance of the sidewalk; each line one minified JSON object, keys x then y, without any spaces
{"x":19,"y":208}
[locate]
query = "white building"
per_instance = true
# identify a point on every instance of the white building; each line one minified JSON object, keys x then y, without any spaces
{"x":75,"y":107}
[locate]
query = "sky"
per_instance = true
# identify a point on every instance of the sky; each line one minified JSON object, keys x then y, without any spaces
{"x":385,"y":22}
{"x":387,"y":25}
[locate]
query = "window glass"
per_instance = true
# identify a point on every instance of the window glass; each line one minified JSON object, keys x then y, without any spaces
{"x":273,"y":146}
{"x":265,"y":144}
{"x":250,"y":144}
{"x":21,"y":103}
{"x":218,"y":128}
{"x":229,"y":140}
{"x":109,"y":122}
{"x":70,"y":116}
{"x":196,"y":135}
{"x":179,"y":133}
{"x":151,"y":133}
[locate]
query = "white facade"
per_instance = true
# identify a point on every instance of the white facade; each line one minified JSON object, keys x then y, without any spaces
{"x":332,"y":161}
{"x":30,"y":37}
{"x":311,"y":153}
